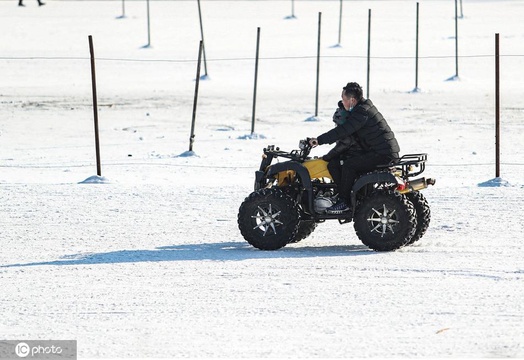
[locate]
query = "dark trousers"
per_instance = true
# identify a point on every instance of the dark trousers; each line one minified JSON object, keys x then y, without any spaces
{"x":335,"y":170}
{"x":355,"y":166}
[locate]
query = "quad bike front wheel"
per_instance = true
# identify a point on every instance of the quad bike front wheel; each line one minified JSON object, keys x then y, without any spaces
{"x":305,"y":228}
{"x":422,"y":212}
{"x":268,"y":219}
{"x":385,"y":221}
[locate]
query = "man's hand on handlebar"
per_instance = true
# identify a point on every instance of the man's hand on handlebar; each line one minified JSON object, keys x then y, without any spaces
{"x":313,"y":142}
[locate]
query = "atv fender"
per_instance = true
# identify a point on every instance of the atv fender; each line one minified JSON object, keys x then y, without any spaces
{"x":298,"y":168}
{"x":259,"y":175}
{"x":371,"y":178}
{"x":302,"y":174}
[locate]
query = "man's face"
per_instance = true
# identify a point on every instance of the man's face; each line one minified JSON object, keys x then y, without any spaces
{"x":348,"y":102}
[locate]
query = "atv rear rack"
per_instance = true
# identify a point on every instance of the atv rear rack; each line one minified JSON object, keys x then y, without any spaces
{"x":410,"y":164}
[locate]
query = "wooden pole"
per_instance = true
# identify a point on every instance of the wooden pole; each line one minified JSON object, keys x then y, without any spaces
{"x":369,"y":52}
{"x":95,"y":107}
{"x":255,"y":86}
{"x":497,"y":107}
{"x":318,"y":63}
{"x":197,"y":82}
{"x":202,"y":36}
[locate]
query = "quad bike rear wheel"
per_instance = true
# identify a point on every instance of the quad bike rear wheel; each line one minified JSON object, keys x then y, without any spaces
{"x":422,"y":212}
{"x":268,"y":219}
{"x":385,"y":221}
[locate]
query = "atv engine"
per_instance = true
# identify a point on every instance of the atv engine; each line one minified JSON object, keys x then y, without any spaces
{"x":323,"y":200}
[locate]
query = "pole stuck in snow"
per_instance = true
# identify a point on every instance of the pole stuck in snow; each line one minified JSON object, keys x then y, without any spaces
{"x":416,"y":54}
{"x":256,"y":81}
{"x":197,"y":82}
{"x":148,"y":26}
{"x":456,"y":41}
{"x":318,"y":63}
{"x":340,"y":24}
{"x":497,"y":107}
{"x":95,"y":106}
{"x":292,"y":16}
{"x":369,"y":51}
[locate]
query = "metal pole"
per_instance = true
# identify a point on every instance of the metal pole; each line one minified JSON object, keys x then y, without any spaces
{"x":369,"y":51}
{"x":95,"y":107}
{"x":497,"y":107}
{"x":293,"y":9}
{"x":461,"y":12}
{"x":197,"y":82}
{"x":148,"y":26}
{"x":255,"y":86}
{"x":123,"y":8}
{"x":456,"y":41}
{"x":318,"y":62}
{"x":416,"y":54}
{"x":340,"y":24}
{"x":202,"y":36}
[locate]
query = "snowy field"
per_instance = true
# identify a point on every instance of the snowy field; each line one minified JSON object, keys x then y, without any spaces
{"x":151,"y":263}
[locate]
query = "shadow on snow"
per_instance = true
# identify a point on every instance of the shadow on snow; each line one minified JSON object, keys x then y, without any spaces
{"x":229,"y":251}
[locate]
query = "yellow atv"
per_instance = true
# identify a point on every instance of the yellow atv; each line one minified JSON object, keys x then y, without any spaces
{"x":291,"y":198}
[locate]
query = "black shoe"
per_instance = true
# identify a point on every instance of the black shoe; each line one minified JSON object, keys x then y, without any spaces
{"x":40,"y":3}
{"x":338,"y":208}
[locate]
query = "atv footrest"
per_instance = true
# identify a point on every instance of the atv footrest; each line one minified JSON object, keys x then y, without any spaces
{"x":342,"y":218}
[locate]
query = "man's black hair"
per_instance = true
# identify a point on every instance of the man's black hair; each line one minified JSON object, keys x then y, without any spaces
{"x":353,"y":89}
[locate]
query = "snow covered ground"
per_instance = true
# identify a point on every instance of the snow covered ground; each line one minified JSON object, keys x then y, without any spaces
{"x":150,"y":263}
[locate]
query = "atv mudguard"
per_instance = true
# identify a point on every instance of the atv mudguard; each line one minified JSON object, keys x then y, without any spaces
{"x":383,"y":177}
{"x":297,"y":167}
{"x":293,"y":166}
{"x":316,"y":169}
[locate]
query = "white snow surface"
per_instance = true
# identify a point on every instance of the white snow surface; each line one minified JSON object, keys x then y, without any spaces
{"x":146,"y":260}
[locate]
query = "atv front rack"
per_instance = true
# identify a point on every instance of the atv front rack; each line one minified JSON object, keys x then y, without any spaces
{"x":297,"y":155}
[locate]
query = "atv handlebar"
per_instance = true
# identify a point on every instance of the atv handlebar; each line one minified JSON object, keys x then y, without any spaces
{"x":305,"y":147}
{"x":297,"y":155}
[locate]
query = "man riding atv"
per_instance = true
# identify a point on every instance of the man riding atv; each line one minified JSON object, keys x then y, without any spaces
{"x":360,"y":122}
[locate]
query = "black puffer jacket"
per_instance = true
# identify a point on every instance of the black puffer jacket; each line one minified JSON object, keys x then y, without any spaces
{"x":370,"y":128}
